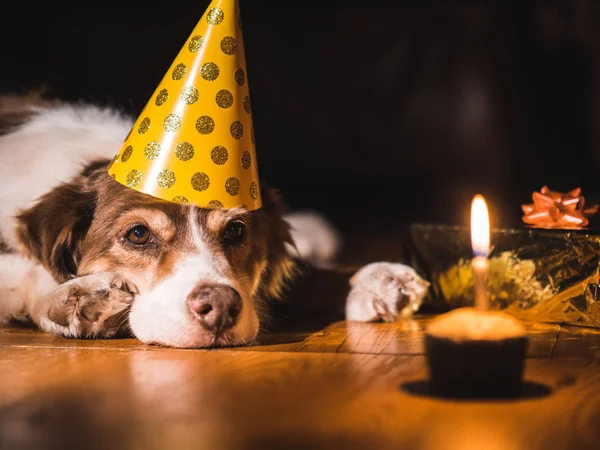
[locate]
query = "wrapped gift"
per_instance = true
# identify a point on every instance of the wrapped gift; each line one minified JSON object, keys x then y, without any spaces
{"x":547,"y":275}
{"x":546,"y":271}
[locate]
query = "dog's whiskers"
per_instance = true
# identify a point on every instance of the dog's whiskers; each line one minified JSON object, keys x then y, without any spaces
{"x":213,"y":344}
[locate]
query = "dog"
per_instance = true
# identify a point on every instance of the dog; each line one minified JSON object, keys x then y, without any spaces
{"x":85,"y":257}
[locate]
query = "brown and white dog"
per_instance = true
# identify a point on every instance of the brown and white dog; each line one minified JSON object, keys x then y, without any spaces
{"x":87,"y":257}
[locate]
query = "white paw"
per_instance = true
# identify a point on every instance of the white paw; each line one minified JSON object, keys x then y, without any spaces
{"x":385,"y":291}
{"x":316,"y":240}
{"x":95,"y":305}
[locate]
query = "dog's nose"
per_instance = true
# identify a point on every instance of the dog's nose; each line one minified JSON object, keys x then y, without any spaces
{"x":217,"y":307}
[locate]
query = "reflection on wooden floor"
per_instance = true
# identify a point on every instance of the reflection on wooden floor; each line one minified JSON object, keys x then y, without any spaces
{"x":349,"y":385}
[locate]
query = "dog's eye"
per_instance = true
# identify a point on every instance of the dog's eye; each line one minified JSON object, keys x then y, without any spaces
{"x":234,"y":231}
{"x":138,"y":235}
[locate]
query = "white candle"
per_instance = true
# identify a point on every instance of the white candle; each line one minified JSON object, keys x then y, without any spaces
{"x":480,"y":241}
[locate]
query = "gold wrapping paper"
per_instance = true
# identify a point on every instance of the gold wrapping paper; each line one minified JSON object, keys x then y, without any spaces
{"x":535,"y":274}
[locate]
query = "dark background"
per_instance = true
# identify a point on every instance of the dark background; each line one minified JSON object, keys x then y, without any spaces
{"x":377,"y":113}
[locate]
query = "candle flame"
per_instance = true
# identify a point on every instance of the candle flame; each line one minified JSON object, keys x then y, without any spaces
{"x":480,"y":227}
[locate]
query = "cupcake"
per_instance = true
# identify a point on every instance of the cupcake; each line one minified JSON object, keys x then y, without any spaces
{"x":475,"y":353}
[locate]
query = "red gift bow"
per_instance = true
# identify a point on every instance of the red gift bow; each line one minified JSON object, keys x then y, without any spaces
{"x":552,"y":209}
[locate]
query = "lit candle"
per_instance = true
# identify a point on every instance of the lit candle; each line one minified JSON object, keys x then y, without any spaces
{"x":476,"y":351}
{"x":480,"y":241}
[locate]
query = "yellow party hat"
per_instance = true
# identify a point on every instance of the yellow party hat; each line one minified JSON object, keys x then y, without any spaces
{"x":194,"y":140}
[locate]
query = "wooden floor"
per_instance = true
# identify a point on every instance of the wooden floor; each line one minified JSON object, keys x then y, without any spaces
{"x":348,"y":386}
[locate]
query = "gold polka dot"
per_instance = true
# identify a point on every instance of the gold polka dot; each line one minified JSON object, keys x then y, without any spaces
{"x":228,"y":45}
{"x":215,"y":16}
{"x":180,"y":199}
{"x":254,"y":190}
{"x":215,"y":204}
{"x":247,"y":104}
{"x":184,"y":151}
{"x":200,"y":181}
{"x":205,"y":125}
{"x":209,"y":71}
{"x":133,"y":178}
{"x":166,"y":179}
{"x":243,"y":206}
{"x":152,"y":150}
{"x":127,"y":153}
{"x":219,"y":155}
{"x":224,"y":98}
{"x":144,"y":125}
{"x":189,"y":95}
{"x":236,"y":129}
{"x":179,"y":71}
{"x":162,"y":97}
{"x":172,"y":122}
{"x":252,"y":135}
{"x":239,"y":76}
{"x":246,"y":160}
{"x":196,"y":43}
{"x":232,"y":186}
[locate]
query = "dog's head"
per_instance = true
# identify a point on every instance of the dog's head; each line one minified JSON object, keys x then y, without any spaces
{"x":201,"y":273}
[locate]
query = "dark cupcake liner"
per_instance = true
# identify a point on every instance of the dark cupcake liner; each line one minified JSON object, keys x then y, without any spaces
{"x":480,"y":368}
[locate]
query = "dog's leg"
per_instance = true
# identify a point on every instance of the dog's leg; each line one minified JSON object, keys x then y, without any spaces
{"x":375,"y":292}
{"x":95,"y":305}
{"x":384,"y":291}
{"x":22,"y":283}
{"x":91,"y":306}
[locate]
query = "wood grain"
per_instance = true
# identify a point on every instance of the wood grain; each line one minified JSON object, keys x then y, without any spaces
{"x":578,"y":341}
{"x":348,"y":386}
{"x":399,"y":338}
{"x":91,"y":398}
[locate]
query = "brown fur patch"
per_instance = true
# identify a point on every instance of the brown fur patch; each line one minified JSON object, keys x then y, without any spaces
{"x":276,"y":231}
{"x":53,"y":230}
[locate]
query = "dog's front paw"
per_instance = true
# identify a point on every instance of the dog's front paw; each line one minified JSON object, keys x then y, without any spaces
{"x":95,"y":305}
{"x":384,"y":291}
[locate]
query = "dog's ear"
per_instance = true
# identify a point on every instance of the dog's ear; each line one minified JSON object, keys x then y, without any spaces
{"x":53,"y":229}
{"x":280,"y":266}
